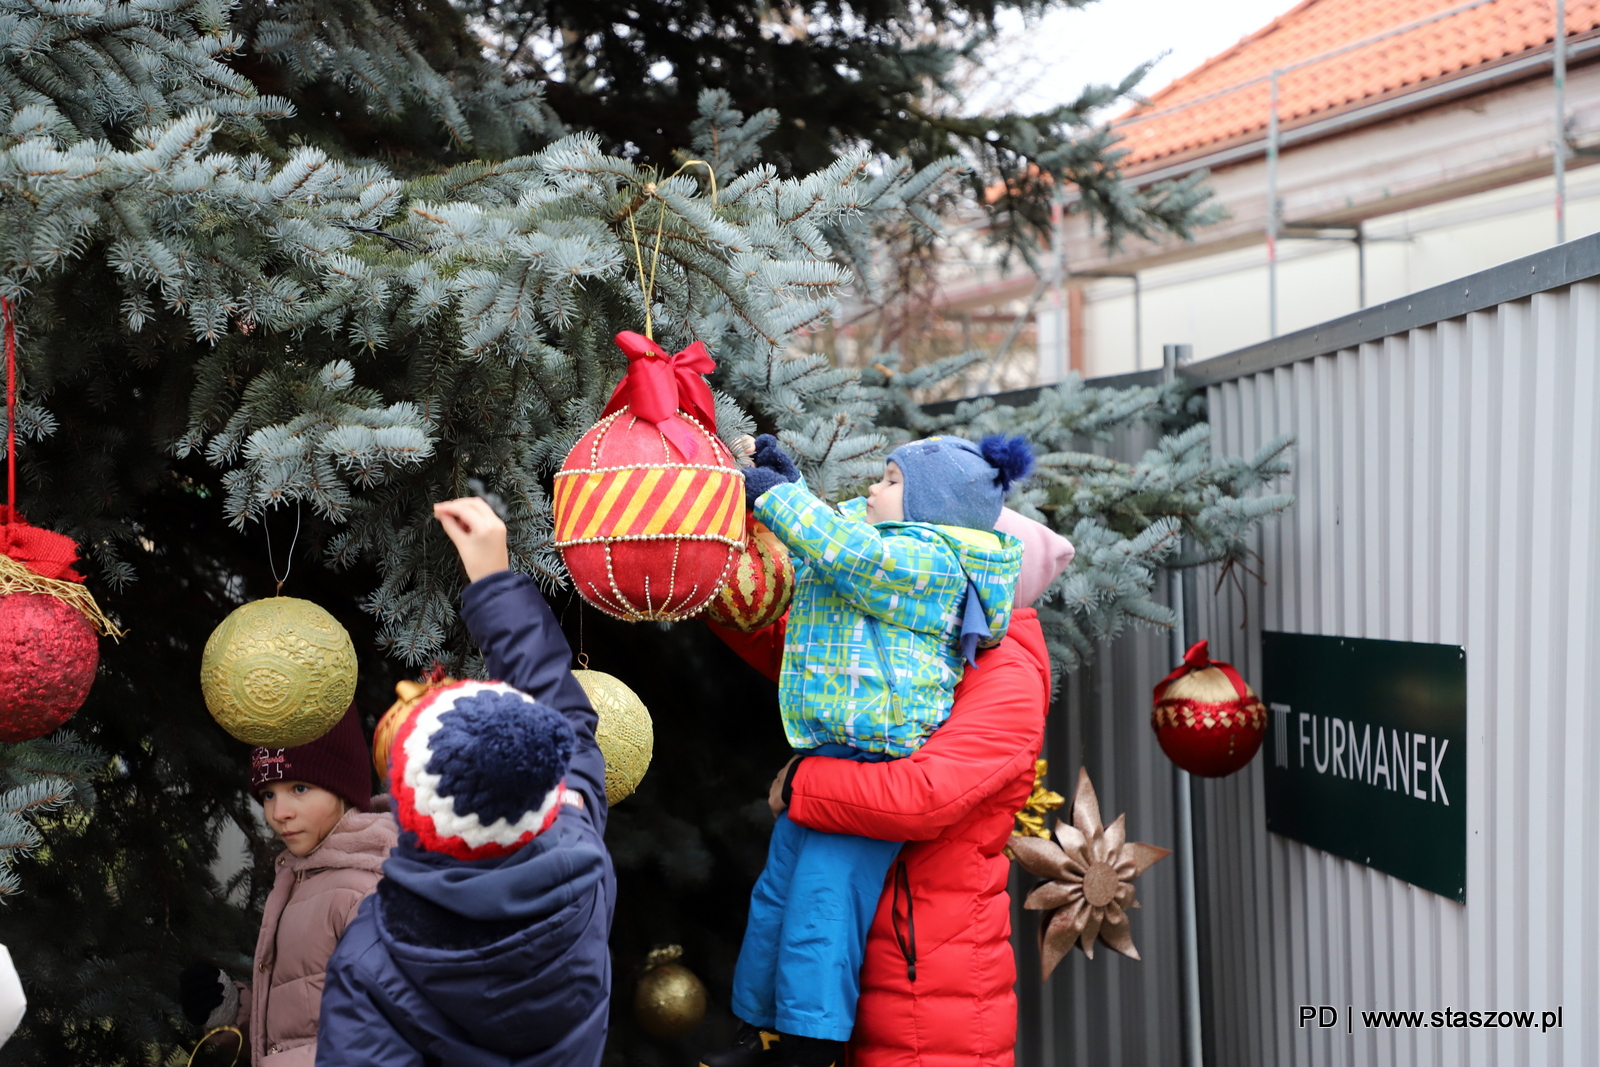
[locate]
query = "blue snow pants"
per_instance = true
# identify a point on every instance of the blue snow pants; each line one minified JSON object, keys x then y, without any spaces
{"x":799,"y":969}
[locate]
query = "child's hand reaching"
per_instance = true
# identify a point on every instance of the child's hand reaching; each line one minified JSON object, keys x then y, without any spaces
{"x":478,"y":534}
{"x":772,"y":467}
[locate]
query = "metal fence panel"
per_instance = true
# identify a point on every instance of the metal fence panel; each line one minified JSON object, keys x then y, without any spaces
{"x":1110,"y":1010}
{"x":1446,"y":481}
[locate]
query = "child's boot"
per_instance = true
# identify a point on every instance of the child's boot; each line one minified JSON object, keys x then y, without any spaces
{"x":752,"y":1047}
{"x":796,"y":1051}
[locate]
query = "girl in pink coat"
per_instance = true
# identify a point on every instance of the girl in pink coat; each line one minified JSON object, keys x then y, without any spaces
{"x":316,"y":798}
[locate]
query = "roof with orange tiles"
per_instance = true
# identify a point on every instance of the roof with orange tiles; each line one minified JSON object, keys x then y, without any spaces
{"x":1228,"y":96}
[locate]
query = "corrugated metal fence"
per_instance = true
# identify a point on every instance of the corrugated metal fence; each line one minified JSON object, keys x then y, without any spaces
{"x":1448,"y":484}
{"x":1111,"y":1010}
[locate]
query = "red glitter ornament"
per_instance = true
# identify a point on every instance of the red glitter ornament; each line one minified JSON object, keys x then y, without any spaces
{"x":48,"y":655}
{"x":1208,"y":721}
{"x":649,"y":505}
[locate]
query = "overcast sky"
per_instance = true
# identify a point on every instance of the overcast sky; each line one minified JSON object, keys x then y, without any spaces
{"x":1054,"y":59}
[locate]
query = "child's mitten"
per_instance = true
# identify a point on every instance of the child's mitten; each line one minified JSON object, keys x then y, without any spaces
{"x":772,"y":467}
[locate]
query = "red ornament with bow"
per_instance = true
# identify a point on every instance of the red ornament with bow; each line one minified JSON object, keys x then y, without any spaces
{"x":49,"y":624}
{"x":649,"y":504}
{"x":1208,"y":721}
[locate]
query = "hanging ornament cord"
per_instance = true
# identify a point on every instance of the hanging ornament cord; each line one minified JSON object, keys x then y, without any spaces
{"x":14,"y":577}
{"x":648,"y":287}
{"x":288,"y":563}
{"x":11,"y":406}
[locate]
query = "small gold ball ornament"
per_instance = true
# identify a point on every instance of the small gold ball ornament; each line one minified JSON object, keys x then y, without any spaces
{"x":278,"y":672}
{"x":408,"y":694}
{"x":624,"y":733}
{"x":670,"y":1001}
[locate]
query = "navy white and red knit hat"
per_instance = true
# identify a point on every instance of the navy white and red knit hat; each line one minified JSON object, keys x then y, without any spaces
{"x":478,"y":769}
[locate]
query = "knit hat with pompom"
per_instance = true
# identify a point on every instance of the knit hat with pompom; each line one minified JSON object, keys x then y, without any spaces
{"x":949,"y":481}
{"x":478,"y":769}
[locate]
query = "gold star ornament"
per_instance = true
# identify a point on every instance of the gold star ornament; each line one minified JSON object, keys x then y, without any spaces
{"x":1089,"y":871}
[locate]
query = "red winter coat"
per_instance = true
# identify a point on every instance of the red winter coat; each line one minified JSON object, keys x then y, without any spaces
{"x":953,"y":801}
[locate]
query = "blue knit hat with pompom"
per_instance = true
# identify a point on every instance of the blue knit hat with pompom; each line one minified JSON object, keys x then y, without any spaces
{"x":949,"y":481}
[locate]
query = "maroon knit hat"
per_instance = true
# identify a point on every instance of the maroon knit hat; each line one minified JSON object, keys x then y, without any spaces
{"x":336,"y":761}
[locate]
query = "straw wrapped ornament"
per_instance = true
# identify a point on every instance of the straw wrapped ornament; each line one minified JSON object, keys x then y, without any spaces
{"x":50,"y":625}
{"x":1208,"y":721}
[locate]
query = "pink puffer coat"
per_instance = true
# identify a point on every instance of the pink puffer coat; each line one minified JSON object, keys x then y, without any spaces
{"x":313,"y":899}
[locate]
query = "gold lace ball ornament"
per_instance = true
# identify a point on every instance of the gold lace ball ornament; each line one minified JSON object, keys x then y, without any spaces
{"x":1208,"y":721}
{"x":761,"y":585}
{"x":408,"y":695}
{"x":278,"y":672}
{"x":626,"y":737}
{"x":670,"y":1001}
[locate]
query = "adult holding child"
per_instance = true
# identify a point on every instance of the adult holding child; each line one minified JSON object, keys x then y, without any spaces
{"x":938,"y":974}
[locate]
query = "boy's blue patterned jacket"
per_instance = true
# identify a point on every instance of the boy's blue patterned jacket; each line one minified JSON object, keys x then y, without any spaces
{"x":874,"y":603}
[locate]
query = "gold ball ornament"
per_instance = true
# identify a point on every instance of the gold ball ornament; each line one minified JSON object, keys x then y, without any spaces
{"x":278,"y":672}
{"x":626,"y":737}
{"x":670,"y":1001}
{"x":408,"y":694}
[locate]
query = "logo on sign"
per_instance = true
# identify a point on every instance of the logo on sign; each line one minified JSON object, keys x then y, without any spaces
{"x":1369,"y":753}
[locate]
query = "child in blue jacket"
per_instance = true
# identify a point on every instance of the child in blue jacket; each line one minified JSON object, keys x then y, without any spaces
{"x":485,"y":943}
{"x":893,"y":596}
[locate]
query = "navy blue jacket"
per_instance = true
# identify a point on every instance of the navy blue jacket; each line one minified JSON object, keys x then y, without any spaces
{"x":493,"y":963}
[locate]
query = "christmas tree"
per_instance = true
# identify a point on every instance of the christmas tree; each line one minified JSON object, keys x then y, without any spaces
{"x":286,"y":274}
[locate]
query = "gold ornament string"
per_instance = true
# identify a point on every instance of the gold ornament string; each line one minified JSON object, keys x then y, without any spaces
{"x":15,"y":578}
{"x":648,"y":288}
{"x":288,"y":563}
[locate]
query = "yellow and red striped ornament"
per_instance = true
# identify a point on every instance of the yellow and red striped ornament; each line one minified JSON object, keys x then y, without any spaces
{"x":761,"y":585}
{"x":649,"y":505}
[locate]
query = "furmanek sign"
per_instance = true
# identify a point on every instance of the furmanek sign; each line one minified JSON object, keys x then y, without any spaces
{"x":1367,"y":753}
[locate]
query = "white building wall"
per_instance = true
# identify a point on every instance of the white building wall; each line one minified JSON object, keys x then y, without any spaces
{"x":1218,"y":303}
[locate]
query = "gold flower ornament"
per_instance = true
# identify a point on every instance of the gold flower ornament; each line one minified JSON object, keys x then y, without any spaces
{"x":1089,"y":871}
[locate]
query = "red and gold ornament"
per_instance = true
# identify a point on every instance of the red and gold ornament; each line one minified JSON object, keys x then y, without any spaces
{"x":50,"y":625}
{"x":408,"y":694}
{"x":649,"y":505}
{"x":1208,"y":721}
{"x":761,"y":585}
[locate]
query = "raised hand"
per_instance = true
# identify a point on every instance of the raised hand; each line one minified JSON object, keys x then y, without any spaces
{"x":478,"y":534}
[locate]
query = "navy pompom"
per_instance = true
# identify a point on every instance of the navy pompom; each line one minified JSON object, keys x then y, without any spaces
{"x":1011,"y":456}
{"x":498,"y":755}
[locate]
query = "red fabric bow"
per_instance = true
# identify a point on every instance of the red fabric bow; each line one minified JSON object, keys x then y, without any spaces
{"x":657,"y":385}
{"x":1197,"y":659}
{"x":47,"y":554}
